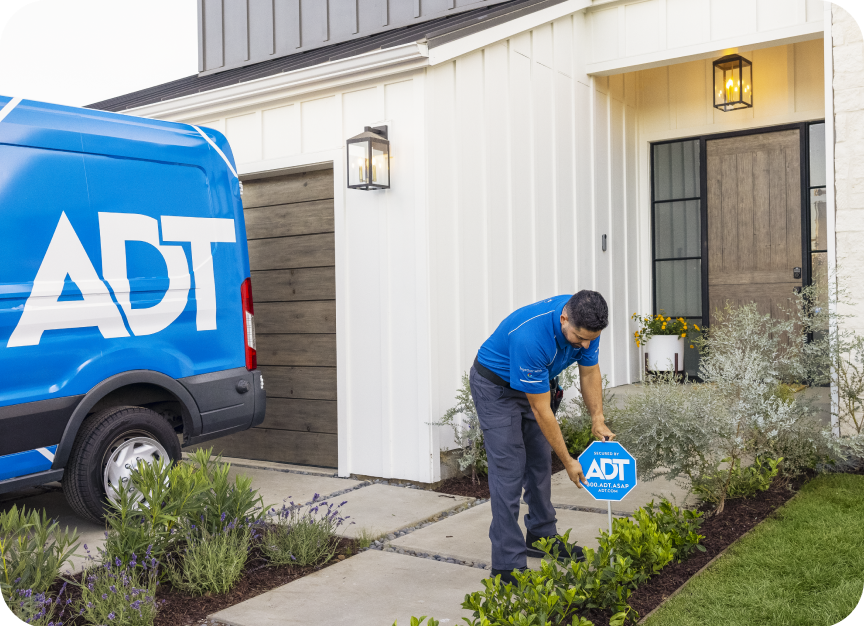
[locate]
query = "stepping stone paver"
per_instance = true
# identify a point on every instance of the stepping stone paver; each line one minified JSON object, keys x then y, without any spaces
{"x":277,"y":486}
{"x":566,"y":493}
{"x":369,"y":589}
{"x":465,"y":536}
{"x":380,"y":509}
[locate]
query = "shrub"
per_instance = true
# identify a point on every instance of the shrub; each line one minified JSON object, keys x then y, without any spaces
{"x":303,"y":535}
{"x":558,"y":593}
{"x":210,"y":562}
{"x":160,"y":501}
{"x":466,"y":430}
{"x":33,"y":549}
{"x":118,"y":593}
{"x":742,"y":483}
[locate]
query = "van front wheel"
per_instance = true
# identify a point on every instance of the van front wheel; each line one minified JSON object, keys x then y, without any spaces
{"x":107,"y":446}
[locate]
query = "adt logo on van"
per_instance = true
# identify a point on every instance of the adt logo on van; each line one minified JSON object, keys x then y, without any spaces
{"x":610,"y":471}
{"x":66,"y":257}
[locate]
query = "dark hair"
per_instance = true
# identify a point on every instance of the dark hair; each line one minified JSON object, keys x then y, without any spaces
{"x":587,"y":309}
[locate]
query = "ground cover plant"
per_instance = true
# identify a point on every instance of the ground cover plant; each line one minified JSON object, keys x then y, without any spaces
{"x":800,"y":567}
{"x":303,"y":536}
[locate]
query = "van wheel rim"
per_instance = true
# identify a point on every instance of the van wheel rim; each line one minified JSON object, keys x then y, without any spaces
{"x":124,"y":459}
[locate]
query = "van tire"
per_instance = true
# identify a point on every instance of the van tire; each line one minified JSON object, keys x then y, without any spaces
{"x":83,"y":483}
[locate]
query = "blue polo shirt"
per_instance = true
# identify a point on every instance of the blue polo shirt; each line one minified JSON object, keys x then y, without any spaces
{"x":528,"y":348}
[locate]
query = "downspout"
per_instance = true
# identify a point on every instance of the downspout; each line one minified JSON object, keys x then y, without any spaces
{"x":830,"y":193}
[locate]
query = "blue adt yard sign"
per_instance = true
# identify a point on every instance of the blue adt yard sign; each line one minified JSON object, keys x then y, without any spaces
{"x":609,"y":470}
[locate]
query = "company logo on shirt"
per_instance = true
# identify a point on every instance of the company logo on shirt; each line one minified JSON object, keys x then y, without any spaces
{"x":532,"y":375}
{"x":66,"y":257}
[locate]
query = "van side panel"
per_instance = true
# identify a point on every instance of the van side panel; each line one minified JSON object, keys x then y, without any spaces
{"x":131,"y":296}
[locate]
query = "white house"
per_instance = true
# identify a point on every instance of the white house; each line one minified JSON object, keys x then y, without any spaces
{"x":538,"y":147}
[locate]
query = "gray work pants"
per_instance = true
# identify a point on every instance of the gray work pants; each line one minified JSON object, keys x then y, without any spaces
{"x":519,"y":457}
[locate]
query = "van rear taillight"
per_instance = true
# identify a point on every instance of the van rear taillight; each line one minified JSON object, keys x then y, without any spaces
{"x":249,"y":325}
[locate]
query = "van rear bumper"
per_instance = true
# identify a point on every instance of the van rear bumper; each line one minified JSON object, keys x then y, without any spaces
{"x":229,"y":401}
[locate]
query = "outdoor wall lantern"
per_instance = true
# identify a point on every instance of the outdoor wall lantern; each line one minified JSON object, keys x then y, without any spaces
{"x":733,"y":81}
{"x":369,"y":160}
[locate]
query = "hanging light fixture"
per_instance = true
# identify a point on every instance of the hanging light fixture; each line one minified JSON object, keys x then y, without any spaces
{"x":733,"y":83}
{"x":369,"y":159}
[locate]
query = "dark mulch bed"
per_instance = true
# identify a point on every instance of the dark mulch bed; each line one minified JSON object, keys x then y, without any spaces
{"x":182,"y":609}
{"x":464,"y":486}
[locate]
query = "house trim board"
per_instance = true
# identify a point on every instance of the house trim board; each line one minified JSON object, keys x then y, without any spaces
{"x":708,"y":50}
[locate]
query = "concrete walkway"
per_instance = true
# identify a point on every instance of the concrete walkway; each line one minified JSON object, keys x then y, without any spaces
{"x":370,"y":589}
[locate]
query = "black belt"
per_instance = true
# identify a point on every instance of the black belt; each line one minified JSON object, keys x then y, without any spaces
{"x":491,"y":376}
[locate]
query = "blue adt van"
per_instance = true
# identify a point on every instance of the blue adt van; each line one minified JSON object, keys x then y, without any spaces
{"x":126,"y":318}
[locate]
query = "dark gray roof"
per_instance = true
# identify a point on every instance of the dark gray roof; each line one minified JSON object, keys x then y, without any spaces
{"x":435,"y":32}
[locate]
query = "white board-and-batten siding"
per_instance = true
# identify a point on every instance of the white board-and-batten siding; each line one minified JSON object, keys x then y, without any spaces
{"x":530,"y":163}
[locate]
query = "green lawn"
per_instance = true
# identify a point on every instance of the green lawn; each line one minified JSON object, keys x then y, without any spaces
{"x":803,"y":566}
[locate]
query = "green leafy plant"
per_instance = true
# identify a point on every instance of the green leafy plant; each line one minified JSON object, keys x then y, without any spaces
{"x":746,"y":482}
{"x":419,"y":622}
{"x":33,"y":549}
{"x":463,"y":419}
{"x":302,"y":535}
{"x":681,"y":525}
{"x":210,"y":562}
{"x":120,"y":593}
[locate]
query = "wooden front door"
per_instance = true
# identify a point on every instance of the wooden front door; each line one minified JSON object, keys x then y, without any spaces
{"x":754,"y":220}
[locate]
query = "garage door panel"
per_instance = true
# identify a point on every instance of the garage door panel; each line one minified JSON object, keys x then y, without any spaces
{"x":292,"y":188}
{"x":299,"y":382}
{"x":290,"y":234}
{"x":297,"y":349}
{"x":292,"y":252}
{"x":296,"y":317}
{"x":296,"y":284}
{"x":310,"y":448}
{"x":301,"y":415}
{"x":289,"y":220}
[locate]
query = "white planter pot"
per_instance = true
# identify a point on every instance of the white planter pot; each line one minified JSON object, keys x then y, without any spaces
{"x":661,"y":352}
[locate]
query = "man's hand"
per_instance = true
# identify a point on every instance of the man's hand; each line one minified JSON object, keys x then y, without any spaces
{"x":574,"y":470}
{"x":600,"y":431}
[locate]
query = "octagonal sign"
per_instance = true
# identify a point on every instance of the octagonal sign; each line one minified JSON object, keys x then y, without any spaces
{"x":610,"y":471}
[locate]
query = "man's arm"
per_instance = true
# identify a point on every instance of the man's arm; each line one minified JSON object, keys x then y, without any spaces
{"x":591,"y":383}
{"x":549,"y":426}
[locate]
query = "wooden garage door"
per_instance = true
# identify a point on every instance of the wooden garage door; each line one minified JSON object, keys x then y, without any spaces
{"x":289,"y":226}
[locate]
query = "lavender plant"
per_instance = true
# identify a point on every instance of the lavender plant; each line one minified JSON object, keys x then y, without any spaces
{"x":211,"y":562}
{"x":38,"y":609}
{"x":463,"y":419}
{"x":303,"y":535}
{"x":120,"y":593}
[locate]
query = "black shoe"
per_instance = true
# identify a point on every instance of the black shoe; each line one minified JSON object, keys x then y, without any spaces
{"x":506,"y":575}
{"x":564,"y":555}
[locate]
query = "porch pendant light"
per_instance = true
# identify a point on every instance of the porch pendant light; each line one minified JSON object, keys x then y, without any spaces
{"x":733,"y":83}
{"x":369,"y":160}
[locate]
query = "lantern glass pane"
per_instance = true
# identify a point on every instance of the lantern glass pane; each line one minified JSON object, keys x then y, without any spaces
{"x":380,"y":164}
{"x":747,"y":83}
{"x":358,"y":163}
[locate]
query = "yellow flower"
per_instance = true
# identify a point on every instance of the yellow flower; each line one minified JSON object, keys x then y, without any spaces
{"x":664,"y":326}
{"x":669,"y":319}
{"x":697,"y":327}
{"x":637,"y":343}
{"x":683,"y":335}
{"x":691,"y":346}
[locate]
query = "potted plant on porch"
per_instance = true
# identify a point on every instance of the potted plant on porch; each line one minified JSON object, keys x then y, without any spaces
{"x":663,"y":338}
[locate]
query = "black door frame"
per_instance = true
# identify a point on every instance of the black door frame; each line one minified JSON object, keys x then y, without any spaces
{"x":804,"y":141}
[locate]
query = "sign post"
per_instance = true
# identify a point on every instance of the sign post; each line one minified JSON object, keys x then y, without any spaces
{"x":610,"y":473}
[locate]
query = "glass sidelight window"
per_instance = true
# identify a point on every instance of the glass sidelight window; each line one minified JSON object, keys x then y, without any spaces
{"x":677,"y":235}
{"x":817,"y":204}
